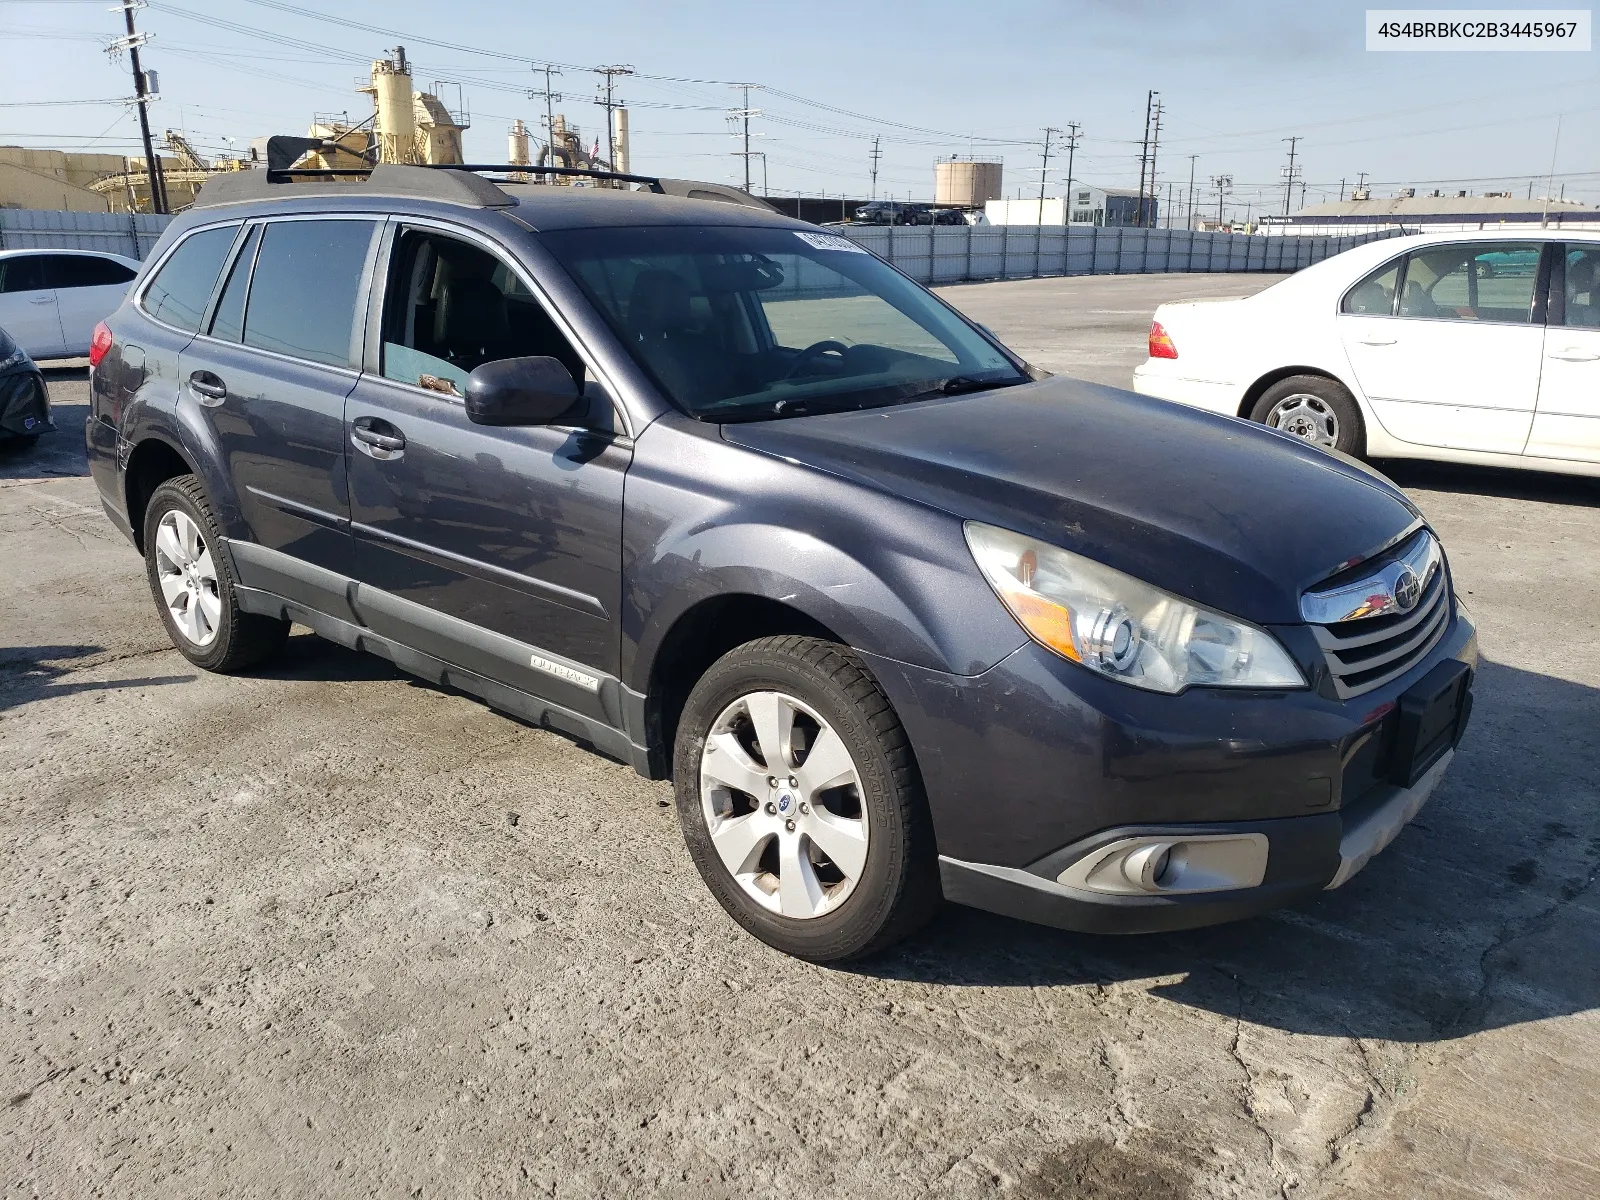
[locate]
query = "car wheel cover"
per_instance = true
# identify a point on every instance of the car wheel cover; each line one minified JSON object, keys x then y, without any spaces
{"x":1306,"y":416}
{"x":188,"y":578}
{"x":783,"y":805}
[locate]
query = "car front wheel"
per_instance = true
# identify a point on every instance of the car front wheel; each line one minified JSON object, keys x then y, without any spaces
{"x":193,"y":587}
{"x":801,"y":803}
{"x":1316,"y":409}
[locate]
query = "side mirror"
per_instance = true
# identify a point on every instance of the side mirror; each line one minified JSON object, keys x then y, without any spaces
{"x":520,"y":391}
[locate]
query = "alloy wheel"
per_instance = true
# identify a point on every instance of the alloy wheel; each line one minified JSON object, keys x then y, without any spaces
{"x":188,"y":578}
{"x":782,"y":802}
{"x":1308,"y":417}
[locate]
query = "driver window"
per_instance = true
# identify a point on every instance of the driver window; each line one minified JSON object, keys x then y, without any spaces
{"x":451,"y":307}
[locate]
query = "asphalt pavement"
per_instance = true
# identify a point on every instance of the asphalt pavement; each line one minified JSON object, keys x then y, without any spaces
{"x":323,"y":930}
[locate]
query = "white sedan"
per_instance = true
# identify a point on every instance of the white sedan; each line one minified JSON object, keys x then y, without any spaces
{"x":1468,"y":347}
{"x":51,"y":300}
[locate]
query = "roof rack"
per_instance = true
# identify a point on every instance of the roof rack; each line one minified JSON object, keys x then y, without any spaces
{"x":458,"y":183}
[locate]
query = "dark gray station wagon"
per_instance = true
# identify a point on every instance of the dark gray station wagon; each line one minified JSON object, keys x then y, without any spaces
{"x":738,"y":503}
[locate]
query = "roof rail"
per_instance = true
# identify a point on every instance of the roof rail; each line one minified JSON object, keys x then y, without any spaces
{"x":457,"y":183}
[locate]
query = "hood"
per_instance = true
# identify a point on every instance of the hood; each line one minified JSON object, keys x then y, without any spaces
{"x":1223,"y":512}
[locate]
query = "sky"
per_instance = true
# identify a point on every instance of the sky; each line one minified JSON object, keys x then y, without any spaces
{"x":928,"y":79}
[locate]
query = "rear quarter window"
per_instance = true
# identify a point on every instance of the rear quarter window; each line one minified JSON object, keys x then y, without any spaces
{"x":179,"y":292}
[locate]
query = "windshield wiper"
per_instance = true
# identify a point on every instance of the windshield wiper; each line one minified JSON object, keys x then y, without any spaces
{"x":958,"y":385}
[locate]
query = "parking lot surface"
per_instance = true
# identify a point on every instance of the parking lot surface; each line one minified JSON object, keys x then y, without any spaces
{"x":324,"y":930}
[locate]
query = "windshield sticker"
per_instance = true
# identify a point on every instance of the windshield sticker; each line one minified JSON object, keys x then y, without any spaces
{"x":829,"y":241}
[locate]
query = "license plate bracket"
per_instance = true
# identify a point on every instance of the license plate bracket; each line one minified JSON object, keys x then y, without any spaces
{"x":1432,"y":715}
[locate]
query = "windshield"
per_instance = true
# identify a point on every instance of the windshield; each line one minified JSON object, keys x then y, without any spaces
{"x":739,"y":324}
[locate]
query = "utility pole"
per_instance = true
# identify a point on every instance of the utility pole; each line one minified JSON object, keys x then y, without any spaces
{"x":743,"y":115}
{"x":1072,"y":149}
{"x":1144,"y":152}
{"x":875,"y":155}
{"x":1224,"y":185}
{"x":550,"y":98}
{"x":1044,"y":169}
{"x":1155,"y":144}
{"x":1190,"y":217}
{"x":610,"y":103}
{"x":143,"y":94}
{"x":1288,"y":174}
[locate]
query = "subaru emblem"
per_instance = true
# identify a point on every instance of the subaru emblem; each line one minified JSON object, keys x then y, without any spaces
{"x":1407,"y":590}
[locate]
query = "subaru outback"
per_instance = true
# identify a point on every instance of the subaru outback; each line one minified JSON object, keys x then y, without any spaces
{"x":732,"y":500}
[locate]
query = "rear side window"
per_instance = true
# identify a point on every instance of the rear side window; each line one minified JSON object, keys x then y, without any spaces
{"x":304,"y":291}
{"x":1583,"y":287}
{"x":178,"y":293}
{"x":1474,"y":281}
{"x":84,"y":270}
{"x":25,"y":274}
{"x":228,"y":321}
{"x":1374,"y":295}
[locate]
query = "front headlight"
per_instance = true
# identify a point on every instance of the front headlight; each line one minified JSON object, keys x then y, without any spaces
{"x":1118,"y":626}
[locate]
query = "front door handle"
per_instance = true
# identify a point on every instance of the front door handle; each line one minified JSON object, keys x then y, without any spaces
{"x":1573,"y":354}
{"x":50,"y":299}
{"x":1376,"y":341}
{"x":377,"y":437}
{"x":208,"y":386}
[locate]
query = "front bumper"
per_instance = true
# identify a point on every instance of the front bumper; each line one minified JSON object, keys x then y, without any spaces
{"x":1037,"y":762}
{"x":1306,"y":855}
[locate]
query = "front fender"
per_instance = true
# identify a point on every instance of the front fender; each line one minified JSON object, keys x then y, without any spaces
{"x":888,"y":576}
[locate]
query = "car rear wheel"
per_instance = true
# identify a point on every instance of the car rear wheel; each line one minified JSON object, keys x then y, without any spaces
{"x":801,"y":803}
{"x":1316,"y":409}
{"x":193,"y":587}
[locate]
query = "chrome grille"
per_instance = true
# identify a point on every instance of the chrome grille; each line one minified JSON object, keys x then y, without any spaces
{"x":1367,"y":651}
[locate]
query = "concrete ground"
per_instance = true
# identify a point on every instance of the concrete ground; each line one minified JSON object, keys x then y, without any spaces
{"x":322,"y":930}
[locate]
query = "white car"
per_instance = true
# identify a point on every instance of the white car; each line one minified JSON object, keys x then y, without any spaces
{"x":1468,"y":347}
{"x":51,"y":300}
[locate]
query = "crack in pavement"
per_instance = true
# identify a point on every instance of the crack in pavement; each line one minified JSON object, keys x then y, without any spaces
{"x":1247,"y":1093}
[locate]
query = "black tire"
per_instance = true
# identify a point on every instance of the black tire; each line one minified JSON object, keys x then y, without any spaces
{"x":1336,"y":400}
{"x":242,"y":639}
{"x":897,"y":890}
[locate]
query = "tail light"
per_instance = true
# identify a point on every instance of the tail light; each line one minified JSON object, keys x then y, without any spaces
{"x":100,"y":344}
{"x":1160,"y":344}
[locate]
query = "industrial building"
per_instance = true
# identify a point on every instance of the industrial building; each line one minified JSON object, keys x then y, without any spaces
{"x":1437,"y":212}
{"x":68,"y":181}
{"x":1089,"y":205}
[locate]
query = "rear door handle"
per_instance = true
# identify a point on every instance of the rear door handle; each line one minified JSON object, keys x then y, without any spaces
{"x":207,"y":386}
{"x":1573,"y":355}
{"x":1376,"y":341}
{"x":377,"y":437}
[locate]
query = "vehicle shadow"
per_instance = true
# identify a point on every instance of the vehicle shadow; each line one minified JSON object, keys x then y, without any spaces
{"x":1474,"y":918}
{"x":1505,"y":482}
{"x":59,"y":454}
{"x":30,"y":673}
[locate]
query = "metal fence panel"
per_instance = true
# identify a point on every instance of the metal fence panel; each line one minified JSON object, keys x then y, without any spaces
{"x":130,"y":234}
{"x":945,"y":254}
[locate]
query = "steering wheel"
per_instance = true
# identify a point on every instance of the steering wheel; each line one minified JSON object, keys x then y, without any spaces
{"x":814,"y":352}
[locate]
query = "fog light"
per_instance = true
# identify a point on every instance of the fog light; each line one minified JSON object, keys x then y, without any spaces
{"x":1171,"y":865}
